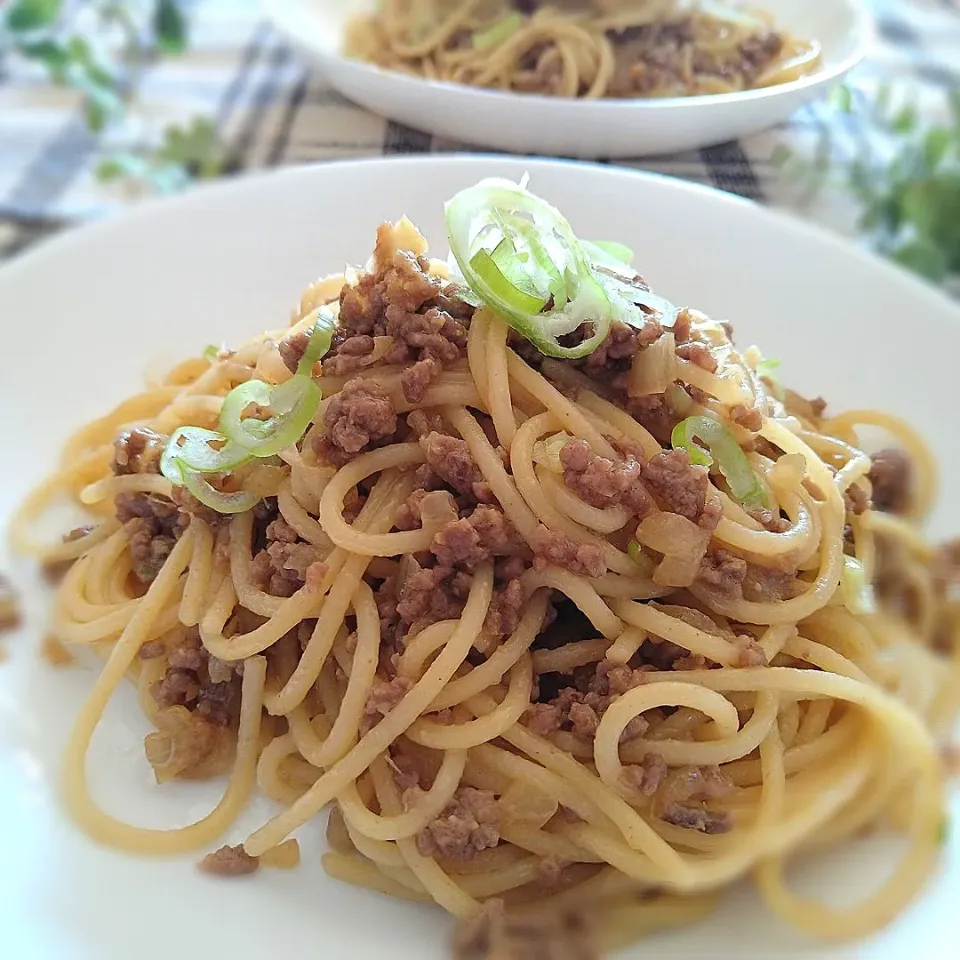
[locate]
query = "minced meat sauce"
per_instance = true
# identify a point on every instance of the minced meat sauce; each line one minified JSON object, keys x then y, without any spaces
{"x":427,"y":327}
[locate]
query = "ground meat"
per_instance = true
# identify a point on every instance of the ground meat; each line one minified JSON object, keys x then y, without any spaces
{"x":494,"y":934}
{"x":149,"y":547}
{"x":384,"y":696}
{"x":190,"y":506}
{"x":422,"y":422}
{"x":152,"y":649}
{"x":583,"y":719}
{"x":467,"y":542}
{"x":359,"y":415}
{"x":505,"y":607}
{"x":612,"y":360}
{"x":655,"y":413}
{"x":426,"y":595}
{"x":138,"y":451}
{"x":679,"y":486}
{"x":748,"y":417}
{"x":699,"y":354}
{"x":580,"y":707}
{"x":550,"y":547}
{"x":204,"y":685}
{"x":229,"y":862}
{"x":468,"y":825}
{"x":544,"y":718}
{"x":292,"y":348}
{"x":698,"y":818}
{"x":9,"y":605}
{"x":764,"y":585}
{"x":450,"y":459}
{"x":647,"y":775}
{"x":428,"y":323}
{"x":281,"y":568}
{"x":351,"y":356}
{"x":177,"y":689}
{"x":891,"y":477}
{"x":758,"y":51}
{"x":855,"y":499}
{"x":154,"y":524}
{"x":602,"y":482}
{"x":724,"y":572}
{"x":770,"y":520}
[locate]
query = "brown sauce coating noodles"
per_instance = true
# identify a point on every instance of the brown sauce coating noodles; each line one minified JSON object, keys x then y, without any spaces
{"x":583,"y":48}
{"x":523,"y":647}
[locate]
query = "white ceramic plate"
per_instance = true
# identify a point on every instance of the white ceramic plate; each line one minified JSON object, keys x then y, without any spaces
{"x":589,"y":129}
{"x":86,"y":315}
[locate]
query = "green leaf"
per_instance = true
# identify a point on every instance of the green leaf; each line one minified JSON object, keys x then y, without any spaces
{"x":882,"y":100}
{"x":953,"y":102}
{"x":32,"y":14}
{"x":122,"y":165}
{"x":905,"y":120}
{"x":842,"y":98}
{"x":53,"y":55}
{"x":87,"y":59}
{"x":923,"y":257}
{"x":170,"y":27}
{"x":936,"y":144}
{"x":101,"y":104}
{"x":194,"y":147}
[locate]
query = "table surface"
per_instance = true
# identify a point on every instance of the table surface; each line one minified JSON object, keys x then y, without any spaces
{"x":271,"y":110}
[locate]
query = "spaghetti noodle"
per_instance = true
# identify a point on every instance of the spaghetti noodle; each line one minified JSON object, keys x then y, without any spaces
{"x":585,"y":48}
{"x":540,"y":623}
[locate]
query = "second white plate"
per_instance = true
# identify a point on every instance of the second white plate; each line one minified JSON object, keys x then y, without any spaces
{"x":590,"y":129}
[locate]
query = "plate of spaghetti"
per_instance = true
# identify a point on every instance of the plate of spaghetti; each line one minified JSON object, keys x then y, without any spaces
{"x":493,"y":582}
{"x":580,"y":78}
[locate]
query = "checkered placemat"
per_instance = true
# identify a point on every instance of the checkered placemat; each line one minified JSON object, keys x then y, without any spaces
{"x":271,"y":109}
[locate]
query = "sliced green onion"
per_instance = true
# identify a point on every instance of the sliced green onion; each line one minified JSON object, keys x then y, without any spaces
{"x":635,"y":551}
{"x":293,"y":405}
{"x":766,"y":371}
{"x":487,"y":268}
{"x":193,"y":450}
{"x":856,"y":591}
{"x":731,"y":460}
{"x":182,"y":476}
{"x":210,"y":352}
{"x":319,"y":343}
{"x":598,"y":250}
{"x":495,"y":34}
{"x":557,"y":269}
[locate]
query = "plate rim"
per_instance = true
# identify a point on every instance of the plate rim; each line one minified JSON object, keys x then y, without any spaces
{"x":865,"y":34}
{"x":144,"y":210}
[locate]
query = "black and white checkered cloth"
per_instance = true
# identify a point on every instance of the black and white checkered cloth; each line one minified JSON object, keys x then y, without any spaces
{"x":271,"y":109}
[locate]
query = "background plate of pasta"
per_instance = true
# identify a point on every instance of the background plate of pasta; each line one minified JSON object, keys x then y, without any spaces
{"x":425,"y":546}
{"x":580,"y":78}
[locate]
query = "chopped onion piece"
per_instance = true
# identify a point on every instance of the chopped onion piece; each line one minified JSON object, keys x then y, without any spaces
{"x":654,"y":368}
{"x":546,"y":452}
{"x":682,"y":543}
{"x":857,"y":594}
